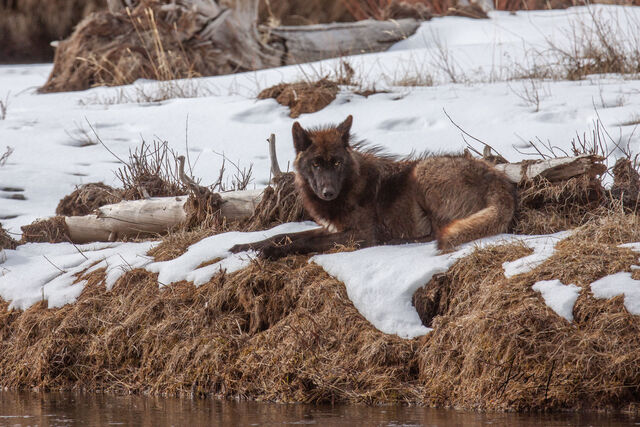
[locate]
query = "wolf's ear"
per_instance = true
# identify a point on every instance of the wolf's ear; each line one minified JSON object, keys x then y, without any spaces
{"x":301,"y":140}
{"x":344,"y":128}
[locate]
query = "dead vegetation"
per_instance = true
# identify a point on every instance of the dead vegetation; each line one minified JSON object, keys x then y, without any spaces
{"x":146,"y":42}
{"x":6,"y":241}
{"x":302,"y":97}
{"x":496,"y":345}
{"x":283,"y":331}
{"x":87,"y":198}
{"x":286,"y":331}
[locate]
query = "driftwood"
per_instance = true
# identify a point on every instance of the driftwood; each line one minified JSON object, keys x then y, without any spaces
{"x":151,"y":216}
{"x":557,"y":169}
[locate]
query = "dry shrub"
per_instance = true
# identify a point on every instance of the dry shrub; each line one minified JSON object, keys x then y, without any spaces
{"x":116,"y":49}
{"x":50,"y":230}
{"x":302,"y":97}
{"x":28,"y":26}
{"x":151,"y":171}
{"x":547,"y":207}
{"x":496,"y":345}
{"x":87,"y":198}
{"x":282,"y":331}
{"x":6,"y":241}
{"x":280,"y":203}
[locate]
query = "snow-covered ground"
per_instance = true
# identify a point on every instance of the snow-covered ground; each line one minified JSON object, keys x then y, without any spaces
{"x":47,"y":134}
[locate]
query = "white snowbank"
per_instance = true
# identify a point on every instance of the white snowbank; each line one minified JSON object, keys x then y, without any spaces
{"x":559,"y":297}
{"x":543,"y":247}
{"x":185,"y":266}
{"x":37,"y":271}
{"x":619,"y":284}
{"x":381,"y":281}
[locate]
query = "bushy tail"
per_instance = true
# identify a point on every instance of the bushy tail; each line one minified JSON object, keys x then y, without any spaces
{"x":494,"y":219}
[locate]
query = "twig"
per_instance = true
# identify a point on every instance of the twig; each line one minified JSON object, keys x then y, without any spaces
{"x":275,"y":167}
{"x":469,"y":135}
{"x":103,"y":144}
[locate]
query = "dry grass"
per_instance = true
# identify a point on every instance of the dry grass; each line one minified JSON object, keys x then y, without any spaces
{"x":302,"y":97}
{"x":50,"y":230}
{"x":545,"y":207}
{"x":117,"y":49}
{"x":6,"y":241}
{"x":282,"y":331}
{"x":87,"y":198}
{"x":496,"y":345}
{"x":286,"y":331}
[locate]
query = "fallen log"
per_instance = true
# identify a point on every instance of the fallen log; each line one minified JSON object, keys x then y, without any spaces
{"x":186,"y":38}
{"x":557,"y":169}
{"x":151,"y":216}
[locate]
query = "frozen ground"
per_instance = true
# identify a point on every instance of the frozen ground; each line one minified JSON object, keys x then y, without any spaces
{"x":48,"y":134}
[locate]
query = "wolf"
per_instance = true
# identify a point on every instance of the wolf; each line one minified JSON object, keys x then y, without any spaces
{"x":362,"y":197}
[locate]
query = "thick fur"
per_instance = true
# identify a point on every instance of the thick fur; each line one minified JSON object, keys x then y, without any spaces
{"x":362,"y":197}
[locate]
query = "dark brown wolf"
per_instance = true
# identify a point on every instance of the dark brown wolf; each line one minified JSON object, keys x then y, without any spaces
{"x":361,"y":197}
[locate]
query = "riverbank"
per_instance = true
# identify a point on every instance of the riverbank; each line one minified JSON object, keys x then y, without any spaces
{"x":287,"y":331}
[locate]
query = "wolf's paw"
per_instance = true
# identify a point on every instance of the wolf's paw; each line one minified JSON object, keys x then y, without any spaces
{"x":241,"y":248}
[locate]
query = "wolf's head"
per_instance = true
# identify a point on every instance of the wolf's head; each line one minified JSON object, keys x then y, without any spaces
{"x":323,"y":157}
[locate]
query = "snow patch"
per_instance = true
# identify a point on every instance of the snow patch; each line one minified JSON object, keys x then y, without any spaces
{"x":185,"y":266}
{"x":381,"y":281}
{"x":44,"y":271}
{"x":543,"y":247}
{"x":619,"y":284}
{"x":559,"y":297}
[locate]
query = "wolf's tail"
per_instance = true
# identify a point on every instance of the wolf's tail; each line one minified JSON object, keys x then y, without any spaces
{"x":494,"y":219}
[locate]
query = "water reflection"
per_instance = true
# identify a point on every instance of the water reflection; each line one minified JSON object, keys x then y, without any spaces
{"x":65,"y":409}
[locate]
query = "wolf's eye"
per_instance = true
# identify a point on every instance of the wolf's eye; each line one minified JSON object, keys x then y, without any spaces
{"x":315,"y":164}
{"x":337,"y":163}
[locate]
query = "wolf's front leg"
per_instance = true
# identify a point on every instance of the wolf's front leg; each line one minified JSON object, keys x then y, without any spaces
{"x":278,"y":240}
{"x":302,"y":243}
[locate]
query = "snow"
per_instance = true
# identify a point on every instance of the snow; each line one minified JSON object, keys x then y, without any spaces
{"x":43,"y":271}
{"x":619,"y":284}
{"x":543,"y":247}
{"x":381,"y":281}
{"x":559,"y":297}
{"x":185,"y":266}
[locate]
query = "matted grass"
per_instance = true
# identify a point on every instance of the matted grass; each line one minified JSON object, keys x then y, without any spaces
{"x":286,"y":331}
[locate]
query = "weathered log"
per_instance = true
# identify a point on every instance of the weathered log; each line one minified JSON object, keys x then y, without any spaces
{"x":151,"y":216}
{"x":557,"y":169}
{"x":200,"y":37}
{"x":321,"y":41}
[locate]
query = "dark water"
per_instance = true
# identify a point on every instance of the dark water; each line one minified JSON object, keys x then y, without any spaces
{"x":57,"y":409}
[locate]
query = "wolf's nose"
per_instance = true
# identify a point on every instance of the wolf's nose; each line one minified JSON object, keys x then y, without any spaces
{"x":328,"y":193}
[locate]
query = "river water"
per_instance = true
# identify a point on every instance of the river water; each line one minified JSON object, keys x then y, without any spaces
{"x":65,"y":409}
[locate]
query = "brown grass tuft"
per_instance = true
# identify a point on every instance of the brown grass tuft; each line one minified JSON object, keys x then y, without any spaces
{"x":496,"y":345}
{"x":150,"y":42}
{"x":302,"y":97}
{"x":545,"y":207}
{"x":6,"y":241}
{"x":280,"y":203}
{"x":87,"y":198}
{"x":50,"y":230}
